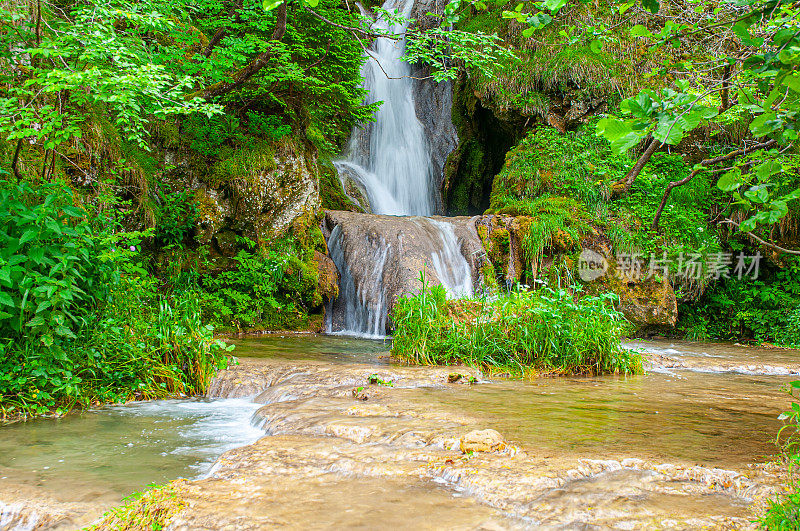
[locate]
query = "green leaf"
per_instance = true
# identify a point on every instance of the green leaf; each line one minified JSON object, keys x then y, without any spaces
{"x":619,"y":133}
{"x":748,"y":225}
{"x":767,"y":169}
{"x":6,"y":299}
{"x":640,"y":31}
{"x":554,"y":5}
{"x":757,"y":194}
{"x":27,"y":236}
{"x":792,"y":81}
{"x":670,"y":131}
{"x":36,"y":321}
{"x":730,"y":181}
{"x":269,"y":5}
{"x":651,"y":5}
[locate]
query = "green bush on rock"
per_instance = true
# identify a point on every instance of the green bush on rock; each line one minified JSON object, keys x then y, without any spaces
{"x":518,"y":333}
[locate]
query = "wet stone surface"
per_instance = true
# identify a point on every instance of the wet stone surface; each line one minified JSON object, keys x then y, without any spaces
{"x":677,"y":448}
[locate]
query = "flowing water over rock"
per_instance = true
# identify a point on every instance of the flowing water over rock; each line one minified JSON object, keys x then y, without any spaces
{"x":390,"y":159}
{"x":380,"y":258}
{"x":82,"y":464}
{"x":677,"y":448}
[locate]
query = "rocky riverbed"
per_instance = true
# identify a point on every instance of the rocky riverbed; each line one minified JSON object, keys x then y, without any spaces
{"x":352,"y":440}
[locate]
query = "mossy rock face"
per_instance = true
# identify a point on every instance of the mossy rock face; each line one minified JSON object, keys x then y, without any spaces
{"x":328,"y":283}
{"x":335,"y":196}
{"x":258,"y":192}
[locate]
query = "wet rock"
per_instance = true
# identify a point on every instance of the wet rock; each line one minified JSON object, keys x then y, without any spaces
{"x":368,"y":410}
{"x":482,"y":441}
{"x":257,"y":195}
{"x":328,"y":283}
{"x":384,"y":256}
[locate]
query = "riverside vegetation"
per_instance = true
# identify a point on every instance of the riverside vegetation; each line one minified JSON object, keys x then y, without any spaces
{"x":164,"y":164}
{"x":521,"y":332}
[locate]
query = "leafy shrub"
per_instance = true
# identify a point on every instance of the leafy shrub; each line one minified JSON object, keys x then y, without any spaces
{"x":783,"y":512}
{"x":267,"y":288}
{"x":765,"y":309}
{"x":544,"y":330}
{"x":177,"y":216}
{"x":80,"y":319}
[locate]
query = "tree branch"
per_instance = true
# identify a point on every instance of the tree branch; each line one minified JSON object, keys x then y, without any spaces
{"x":251,"y":69}
{"x":15,"y":160}
{"x":701,"y":167}
{"x":761,"y":240}
{"x":625,"y":184}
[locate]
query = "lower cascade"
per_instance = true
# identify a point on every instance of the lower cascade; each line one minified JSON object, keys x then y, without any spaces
{"x":380,"y":258}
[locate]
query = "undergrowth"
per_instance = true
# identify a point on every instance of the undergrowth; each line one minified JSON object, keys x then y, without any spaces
{"x":543,"y":331}
{"x":783,"y":511}
{"x":151,"y":509}
{"x":81,"y":320}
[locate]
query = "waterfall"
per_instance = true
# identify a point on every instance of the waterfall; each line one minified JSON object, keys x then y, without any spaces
{"x":450,"y":265}
{"x":379,"y":259}
{"x":390,"y":158}
{"x":380,"y":255}
{"x":363,"y":303}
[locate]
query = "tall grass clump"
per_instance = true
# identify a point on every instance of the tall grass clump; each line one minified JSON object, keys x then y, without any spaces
{"x":543,"y":331}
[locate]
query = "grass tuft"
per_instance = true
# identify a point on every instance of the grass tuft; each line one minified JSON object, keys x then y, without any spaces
{"x":523,"y":332}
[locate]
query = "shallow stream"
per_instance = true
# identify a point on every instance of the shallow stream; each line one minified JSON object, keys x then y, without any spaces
{"x":587,"y":450}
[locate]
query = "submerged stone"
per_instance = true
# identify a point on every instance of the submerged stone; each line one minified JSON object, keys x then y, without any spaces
{"x":482,"y":441}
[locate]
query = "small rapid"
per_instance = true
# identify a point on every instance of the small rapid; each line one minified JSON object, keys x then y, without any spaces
{"x":315,"y":445}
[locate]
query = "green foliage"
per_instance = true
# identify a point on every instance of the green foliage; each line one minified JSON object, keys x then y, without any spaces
{"x":208,"y":134}
{"x":151,"y":509}
{"x":177,"y":216}
{"x":783,"y":512}
{"x":551,"y":218}
{"x":521,"y":332}
{"x":766,"y":309}
{"x":577,"y":165}
{"x":81,"y":320}
{"x":83,"y":59}
{"x":268,"y":289}
{"x":667,"y":116}
{"x":375,"y":379}
{"x":684,"y":224}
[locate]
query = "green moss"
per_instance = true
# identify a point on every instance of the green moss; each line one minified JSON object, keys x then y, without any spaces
{"x":484,"y":141}
{"x":547,"y":68}
{"x":242,"y":163}
{"x":331,"y":194}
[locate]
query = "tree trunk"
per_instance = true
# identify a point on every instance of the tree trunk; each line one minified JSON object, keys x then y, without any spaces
{"x":624,"y":185}
{"x":240,"y":77}
{"x":15,"y":160}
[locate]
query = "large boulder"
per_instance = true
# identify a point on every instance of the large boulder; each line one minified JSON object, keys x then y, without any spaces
{"x":380,"y":259}
{"x":257,"y":192}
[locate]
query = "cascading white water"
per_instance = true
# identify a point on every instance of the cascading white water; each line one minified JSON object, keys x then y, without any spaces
{"x":450,"y":265}
{"x":361,"y":314}
{"x":391,"y":158}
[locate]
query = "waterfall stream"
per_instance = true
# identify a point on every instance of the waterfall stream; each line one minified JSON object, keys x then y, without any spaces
{"x":390,"y":158}
{"x":390,"y":161}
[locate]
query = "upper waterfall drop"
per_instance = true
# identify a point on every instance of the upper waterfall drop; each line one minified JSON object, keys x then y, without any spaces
{"x":391,"y":158}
